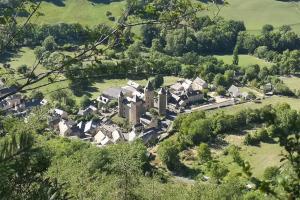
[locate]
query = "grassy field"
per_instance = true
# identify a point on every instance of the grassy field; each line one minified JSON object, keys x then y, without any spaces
{"x":293,"y":102}
{"x":259,"y":157}
{"x":77,"y":11}
{"x":244,"y":60}
{"x":256,"y":13}
{"x":257,"y":93}
{"x":292,"y":82}
{"x":26,"y":56}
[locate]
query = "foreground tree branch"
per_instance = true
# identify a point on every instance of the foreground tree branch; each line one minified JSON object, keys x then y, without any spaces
{"x":92,"y":50}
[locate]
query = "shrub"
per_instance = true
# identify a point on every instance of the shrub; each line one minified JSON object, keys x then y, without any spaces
{"x":250,"y":140}
{"x":36,"y":94}
{"x":270,"y":173}
{"x":221,"y":90}
{"x":112,"y":104}
{"x":22,"y":69}
{"x":108,"y":13}
{"x":204,"y":153}
{"x":282,"y":89}
{"x":111,"y":18}
{"x":85,"y":101}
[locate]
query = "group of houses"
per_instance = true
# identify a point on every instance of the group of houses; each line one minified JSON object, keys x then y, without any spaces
{"x":17,"y":104}
{"x":147,"y":110}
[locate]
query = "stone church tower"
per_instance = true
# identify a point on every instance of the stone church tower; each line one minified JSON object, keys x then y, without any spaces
{"x":121,"y":105}
{"x":162,"y":101}
{"x":149,"y":96}
{"x":135,"y":110}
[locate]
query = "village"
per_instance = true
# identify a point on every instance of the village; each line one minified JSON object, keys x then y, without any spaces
{"x":138,"y":112}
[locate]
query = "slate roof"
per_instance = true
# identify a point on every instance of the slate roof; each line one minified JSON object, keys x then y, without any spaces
{"x":162,"y":91}
{"x":7,"y":90}
{"x":114,"y":92}
{"x":135,"y":98}
{"x":149,"y":86}
{"x":199,"y":81}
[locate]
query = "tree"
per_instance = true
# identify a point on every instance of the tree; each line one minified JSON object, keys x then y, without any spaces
{"x":36,"y":94}
{"x":251,"y":72}
{"x":39,"y":52}
{"x":234,"y":152}
{"x":156,"y":45}
{"x":85,"y":101}
{"x":217,"y":171}
{"x":204,"y":153}
{"x":282,"y":89}
{"x":285,"y":28}
{"x":219,"y":80}
{"x":49,"y":44}
{"x":23,"y":164}
{"x":154,"y":112}
{"x":149,"y":32}
{"x":168,"y":152}
{"x":128,"y":162}
{"x":105,"y":39}
{"x":221,"y":90}
{"x":236,"y":55}
{"x":134,"y":50}
{"x":158,"y":81}
{"x":23,"y":69}
{"x":267,"y":29}
{"x":112,"y":104}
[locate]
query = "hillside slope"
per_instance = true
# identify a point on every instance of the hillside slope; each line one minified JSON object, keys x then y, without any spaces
{"x":256,"y":13}
{"x":77,"y":11}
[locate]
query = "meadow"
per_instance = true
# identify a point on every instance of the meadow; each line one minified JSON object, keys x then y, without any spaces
{"x":84,"y":12}
{"x":259,"y":157}
{"x":256,"y":13}
{"x":244,"y":60}
{"x":292,"y":82}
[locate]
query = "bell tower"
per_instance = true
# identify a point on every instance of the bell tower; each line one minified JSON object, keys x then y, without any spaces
{"x":162,"y":102}
{"x":149,"y":96}
{"x":120,"y":103}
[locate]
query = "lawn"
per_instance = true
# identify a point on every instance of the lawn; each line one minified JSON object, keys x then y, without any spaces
{"x":77,"y":11}
{"x":256,"y":13}
{"x":244,"y":60}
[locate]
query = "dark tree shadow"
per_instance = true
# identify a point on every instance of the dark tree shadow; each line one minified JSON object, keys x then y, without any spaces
{"x":59,"y":3}
{"x":84,"y":91}
{"x":218,"y":143}
{"x":187,"y":172}
{"x":8,"y":56}
{"x":104,"y":1}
